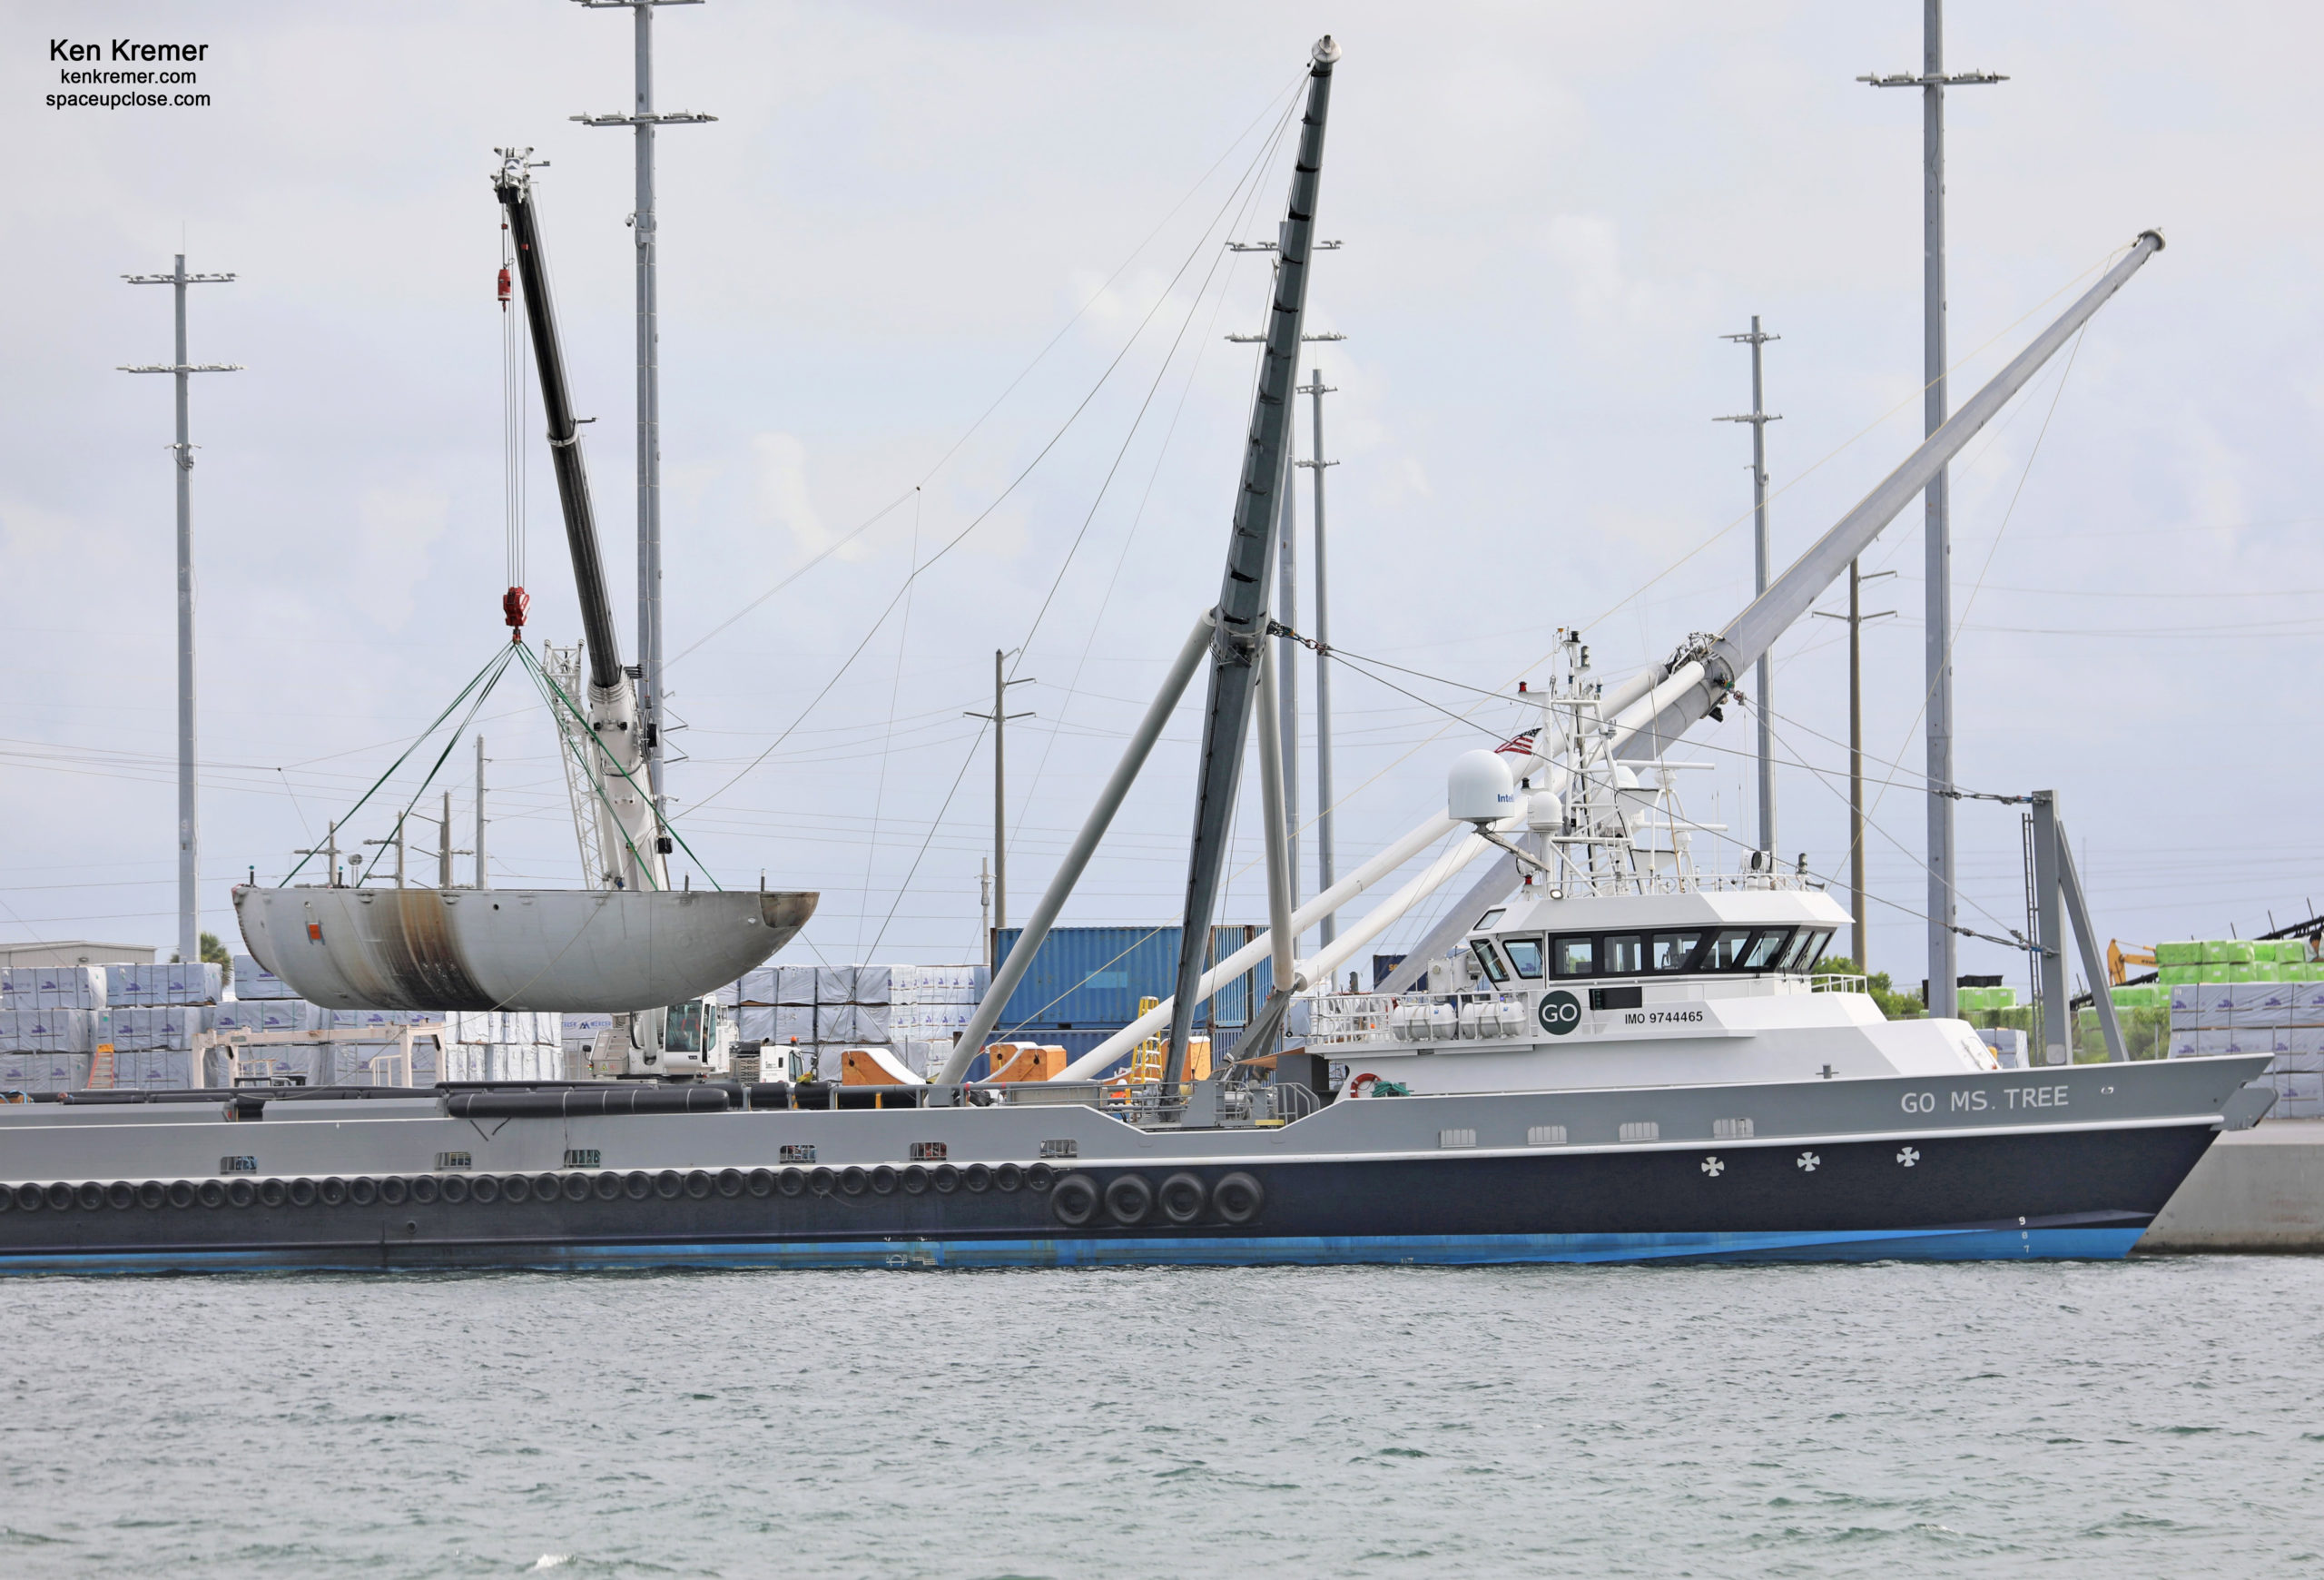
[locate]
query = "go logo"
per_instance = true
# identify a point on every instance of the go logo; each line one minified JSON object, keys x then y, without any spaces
{"x":1559,"y":1013}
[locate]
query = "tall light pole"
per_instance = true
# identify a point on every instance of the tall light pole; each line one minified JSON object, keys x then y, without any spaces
{"x":643,"y":119}
{"x":189,"y":841}
{"x":1758,"y":417}
{"x":1937,"y":637}
{"x":1326,"y":852}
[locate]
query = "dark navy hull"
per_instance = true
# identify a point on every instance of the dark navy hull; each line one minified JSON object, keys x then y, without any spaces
{"x":2086,"y":1193}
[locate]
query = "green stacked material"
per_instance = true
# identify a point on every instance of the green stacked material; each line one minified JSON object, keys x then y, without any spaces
{"x":2175,"y":975}
{"x":2229,"y":952}
{"x":2145,"y":996}
{"x":1984,"y":999}
{"x":2167,"y":955}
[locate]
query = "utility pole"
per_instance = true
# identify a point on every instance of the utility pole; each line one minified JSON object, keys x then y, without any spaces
{"x":984,"y":899}
{"x":1285,"y":660}
{"x":483,"y":875}
{"x":1937,"y":637}
{"x":1758,"y":418}
{"x":999,"y":718}
{"x":643,"y":120}
{"x":189,"y":841}
{"x":1861,"y":939}
{"x":1327,"y":852}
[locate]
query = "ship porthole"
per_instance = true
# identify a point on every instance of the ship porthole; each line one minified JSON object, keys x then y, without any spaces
{"x":1074,"y":1201}
{"x":1238,"y":1198}
{"x":1183,"y":1198}
{"x":1129,"y":1198}
{"x":240,"y":1193}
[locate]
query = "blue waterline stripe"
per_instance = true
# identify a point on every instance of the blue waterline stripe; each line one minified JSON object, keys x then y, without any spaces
{"x":2083,"y":1243}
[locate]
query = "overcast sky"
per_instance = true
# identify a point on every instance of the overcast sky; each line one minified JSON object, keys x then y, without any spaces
{"x":1551,"y":213}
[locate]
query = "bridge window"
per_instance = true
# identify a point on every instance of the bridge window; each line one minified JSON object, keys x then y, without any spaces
{"x":1524,"y":954}
{"x":1625,"y":954}
{"x":1767,"y":946}
{"x":1574,"y":956}
{"x":1490,"y":958}
{"x":1727,"y":950}
{"x":1672,"y":950}
{"x":1806,"y":944}
{"x":1489,"y":918}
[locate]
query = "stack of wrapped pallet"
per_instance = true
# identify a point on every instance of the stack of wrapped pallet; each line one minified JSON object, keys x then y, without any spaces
{"x":155,"y":1011}
{"x":2285,"y":1019}
{"x":2235,"y":960}
{"x":52,"y":1018}
{"x":502,"y":1045}
{"x":811,"y":1014}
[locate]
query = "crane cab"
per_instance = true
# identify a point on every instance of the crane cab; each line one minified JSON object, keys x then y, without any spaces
{"x":690,"y":1039}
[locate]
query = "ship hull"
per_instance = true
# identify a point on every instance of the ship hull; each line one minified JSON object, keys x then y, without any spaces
{"x":2084,"y":1192}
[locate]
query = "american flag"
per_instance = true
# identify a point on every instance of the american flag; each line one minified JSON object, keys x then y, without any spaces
{"x":1519,"y":746}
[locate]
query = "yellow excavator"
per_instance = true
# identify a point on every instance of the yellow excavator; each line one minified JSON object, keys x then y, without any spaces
{"x":2120,"y":959}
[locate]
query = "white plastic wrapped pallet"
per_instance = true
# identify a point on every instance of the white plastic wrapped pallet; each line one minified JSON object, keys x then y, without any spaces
{"x":253,"y":981}
{"x":147,"y":1028}
{"x":266,"y":1015}
{"x":52,"y":987}
{"x":178,"y":983}
{"x":31,"y":1072}
{"x":54,"y":1030}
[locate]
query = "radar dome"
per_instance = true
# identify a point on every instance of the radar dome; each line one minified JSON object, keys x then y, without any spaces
{"x":1480,"y":790}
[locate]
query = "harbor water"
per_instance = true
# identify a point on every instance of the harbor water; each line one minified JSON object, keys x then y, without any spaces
{"x":2104,"y":1419}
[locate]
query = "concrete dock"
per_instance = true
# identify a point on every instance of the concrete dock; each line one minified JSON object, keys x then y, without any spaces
{"x":2260,"y":1189}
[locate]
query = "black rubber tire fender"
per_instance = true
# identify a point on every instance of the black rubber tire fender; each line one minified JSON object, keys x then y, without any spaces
{"x":394,"y":1191}
{"x":668,"y":1183}
{"x":211,"y":1192}
{"x":425,"y":1190}
{"x":761,"y":1182}
{"x":270,"y":1193}
{"x":362,"y":1191}
{"x":699,"y":1185}
{"x":945,"y":1178}
{"x":182,"y":1193}
{"x":484,"y":1190}
{"x":638,"y":1185}
{"x":1039,"y":1177}
{"x":152,"y":1194}
{"x":1238,"y":1198}
{"x":1183,"y":1197}
{"x":821,"y":1181}
{"x":1129,"y":1199}
{"x":241,"y":1193}
{"x":59,"y":1197}
{"x":89,"y":1195}
{"x":605,"y":1187}
{"x":1008,"y":1177}
{"x":331,"y":1192}
{"x":121,"y":1195}
{"x":1073,"y":1200}
{"x":977,"y":1177}
{"x":883,"y":1180}
{"x":730,"y":1182}
{"x":549,"y":1186}
{"x":791,"y":1182}
{"x":853,"y":1179}
{"x":579,"y":1187}
{"x":915,"y":1178}
{"x":516,"y":1188}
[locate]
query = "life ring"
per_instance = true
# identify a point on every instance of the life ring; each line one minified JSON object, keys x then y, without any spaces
{"x":1238,"y":1198}
{"x":1362,"y":1085}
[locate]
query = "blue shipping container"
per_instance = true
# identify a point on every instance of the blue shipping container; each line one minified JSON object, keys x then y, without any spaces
{"x":1094,"y":976}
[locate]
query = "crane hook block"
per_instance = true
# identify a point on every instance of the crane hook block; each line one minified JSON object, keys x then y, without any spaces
{"x":513,"y":604}
{"x":504,"y":287}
